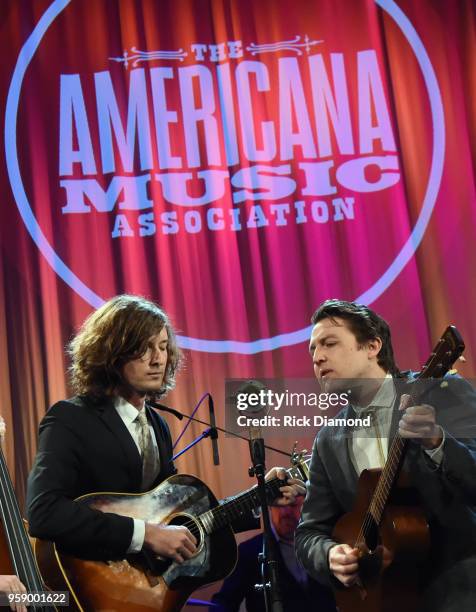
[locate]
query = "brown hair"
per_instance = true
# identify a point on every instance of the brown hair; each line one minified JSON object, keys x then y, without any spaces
{"x":365,"y":324}
{"x":114,"y":334}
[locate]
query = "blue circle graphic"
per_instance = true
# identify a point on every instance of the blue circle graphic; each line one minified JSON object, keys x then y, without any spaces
{"x":228,"y":346}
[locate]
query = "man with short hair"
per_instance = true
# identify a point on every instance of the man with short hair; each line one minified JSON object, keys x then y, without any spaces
{"x":298,"y":591}
{"x":351,"y":343}
{"x":107,"y":437}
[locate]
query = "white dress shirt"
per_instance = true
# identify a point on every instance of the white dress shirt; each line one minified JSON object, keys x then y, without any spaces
{"x":369,"y":449}
{"x":128,"y":414}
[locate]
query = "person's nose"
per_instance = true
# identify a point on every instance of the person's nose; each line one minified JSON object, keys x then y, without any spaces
{"x":155,"y":356}
{"x":159,"y":356}
{"x":319,"y":356}
{"x":162,"y":357}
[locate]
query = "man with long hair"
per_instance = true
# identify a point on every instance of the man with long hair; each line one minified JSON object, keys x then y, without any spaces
{"x":107,"y":438}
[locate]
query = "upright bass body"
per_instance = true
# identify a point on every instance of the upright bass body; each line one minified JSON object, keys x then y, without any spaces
{"x":16,"y":555}
{"x":142,"y":582}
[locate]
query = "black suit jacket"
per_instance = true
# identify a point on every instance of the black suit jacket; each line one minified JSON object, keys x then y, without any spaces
{"x":84,"y":447}
{"x":447,"y":493}
{"x":239,"y":586}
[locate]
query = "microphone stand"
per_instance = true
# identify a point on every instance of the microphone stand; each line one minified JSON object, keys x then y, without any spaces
{"x":180,"y":415}
{"x":269,"y":567}
{"x":208,"y":433}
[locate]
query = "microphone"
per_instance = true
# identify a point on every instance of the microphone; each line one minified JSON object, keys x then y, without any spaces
{"x":256,"y":441}
{"x":158,"y":406}
{"x":269,"y":569}
{"x":257,"y":451}
{"x":213,"y":431}
{"x":250,"y":387}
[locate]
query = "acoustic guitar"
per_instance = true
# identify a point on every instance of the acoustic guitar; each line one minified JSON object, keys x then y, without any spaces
{"x":391,"y":534}
{"x":143,"y":582}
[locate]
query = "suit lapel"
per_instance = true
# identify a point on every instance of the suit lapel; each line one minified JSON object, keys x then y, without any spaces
{"x":110,"y":417}
{"x":159,"y":436}
{"x":402,"y":385}
{"x":341,"y":441}
{"x":395,"y":417}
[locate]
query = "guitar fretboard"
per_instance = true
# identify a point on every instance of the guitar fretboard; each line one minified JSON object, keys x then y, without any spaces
{"x":449,"y":348}
{"x":239,"y":505}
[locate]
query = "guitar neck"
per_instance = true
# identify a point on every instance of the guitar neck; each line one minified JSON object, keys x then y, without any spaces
{"x":238,"y":506}
{"x":449,"y":348}
{"x":387,"y":478}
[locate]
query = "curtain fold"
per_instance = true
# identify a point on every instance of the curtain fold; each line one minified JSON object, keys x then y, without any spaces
{"x":250,"y":271}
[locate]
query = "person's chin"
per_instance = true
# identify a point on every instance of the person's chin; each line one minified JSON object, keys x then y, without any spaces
{"x":330,"y":384}
{"x":150,"y":386}
{"x":154,"y":388}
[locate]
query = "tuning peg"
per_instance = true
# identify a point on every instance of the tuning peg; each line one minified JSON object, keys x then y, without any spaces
{"x":294,"y":454}
{"x":462,"y":358}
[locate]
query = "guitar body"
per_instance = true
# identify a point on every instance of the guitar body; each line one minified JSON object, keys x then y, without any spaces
{"x":390,"y":580}
{"x":387,"y":525}
{"x":142,"y":582}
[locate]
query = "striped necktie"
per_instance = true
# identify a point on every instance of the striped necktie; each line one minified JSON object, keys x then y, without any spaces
{"x":150,"y":460}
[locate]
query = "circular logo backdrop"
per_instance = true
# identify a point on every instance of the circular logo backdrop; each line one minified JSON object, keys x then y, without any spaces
{"x":239,"y":178}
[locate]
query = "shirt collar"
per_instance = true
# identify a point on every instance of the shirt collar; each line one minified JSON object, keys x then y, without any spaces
{"x":384,"y":398}
{"x":126,"y":410}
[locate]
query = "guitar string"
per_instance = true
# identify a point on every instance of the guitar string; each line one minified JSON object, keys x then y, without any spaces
{"x":376,"y":507}
{"x":7,"y":518}
{"x":15,"y":537}
{"x":242,"y":500}
{"x":219,"y":512}
{"x":26,"y":568}
{"x":385,"y":483}
{"x":374,"y":512}
{"x":380,"y":496}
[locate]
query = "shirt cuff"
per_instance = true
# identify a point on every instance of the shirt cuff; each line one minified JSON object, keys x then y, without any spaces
{"x":436,"y":454}
{"x":137,"y":537}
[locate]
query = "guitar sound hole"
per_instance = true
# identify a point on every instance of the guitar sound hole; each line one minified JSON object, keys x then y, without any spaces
{"x":191,"y":524}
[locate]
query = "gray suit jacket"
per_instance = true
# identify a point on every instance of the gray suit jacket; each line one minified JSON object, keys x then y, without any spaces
{"x":447,"y":492}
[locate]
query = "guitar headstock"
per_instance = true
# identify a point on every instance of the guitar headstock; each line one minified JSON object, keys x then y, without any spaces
{"x":300,"y":462}
{"x":448,"y":349}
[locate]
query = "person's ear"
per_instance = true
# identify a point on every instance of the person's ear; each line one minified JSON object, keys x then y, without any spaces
{"x":373,"y":347}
